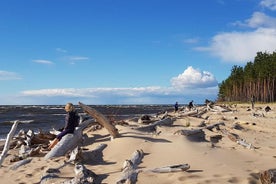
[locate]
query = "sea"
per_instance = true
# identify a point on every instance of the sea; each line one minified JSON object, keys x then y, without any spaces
{"x":48,"y":117}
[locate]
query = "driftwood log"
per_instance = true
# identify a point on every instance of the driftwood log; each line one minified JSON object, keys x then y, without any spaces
{"x":7,"y":143}
{"x":172,"y":168}
{"x":268,"y":176}
{"x":21,"y":163}
{"x":101,"y":119}
{"x":129,"y":170}
{"x":152,"y":127}
{"x":68,"y":142}
{"x":83,"y":175}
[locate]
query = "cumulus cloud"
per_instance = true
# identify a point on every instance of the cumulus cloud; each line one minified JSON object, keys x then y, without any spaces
{"x":269,"y":4}
{"x":192,"y":83}
{"x":5,"y":75}
{"x":242,"y":46}
{"x":194,"y":78}
{"x":257,"y":20}
{"x":42,"y":61}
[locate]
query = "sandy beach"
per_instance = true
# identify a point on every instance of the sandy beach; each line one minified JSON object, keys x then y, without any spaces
{"x":212,"y":156}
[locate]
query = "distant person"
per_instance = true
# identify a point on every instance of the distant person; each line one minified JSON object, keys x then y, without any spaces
{"x":176,"y":107}
{"x":252,"y":101}
{"x":190,"y":105}
{"x":71,"y":122}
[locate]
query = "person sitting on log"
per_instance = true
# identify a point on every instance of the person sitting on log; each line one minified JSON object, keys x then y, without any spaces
{"x":71,"y":122}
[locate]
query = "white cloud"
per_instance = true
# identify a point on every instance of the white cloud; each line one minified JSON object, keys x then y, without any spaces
{"x":78,"y":58}
{"x":257,"y":20}
{"x":42,"y":61}
{"x":270,"y":4}
{"x":74,"y":59}
{"x":191,"y":84}
{"x":61,"y":50}
{"x":192,"y":78}
{"x":5,"y":75}
{"x":241,"y":47}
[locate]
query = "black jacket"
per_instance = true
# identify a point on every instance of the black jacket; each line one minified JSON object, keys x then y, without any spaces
{"x":71,"y":121}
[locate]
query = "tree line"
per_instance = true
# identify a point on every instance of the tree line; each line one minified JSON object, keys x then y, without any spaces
{"x":256,"y":79}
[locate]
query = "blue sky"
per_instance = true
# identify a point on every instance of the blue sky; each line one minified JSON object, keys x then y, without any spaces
{"x":127,"y":51}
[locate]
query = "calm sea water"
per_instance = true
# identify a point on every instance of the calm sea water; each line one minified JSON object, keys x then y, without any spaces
{"x":45,"y":117}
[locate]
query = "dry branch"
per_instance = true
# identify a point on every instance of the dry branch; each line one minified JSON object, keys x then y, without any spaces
{"x":7,"y":143}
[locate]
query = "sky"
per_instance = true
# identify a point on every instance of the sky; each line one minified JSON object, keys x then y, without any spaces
{"x":127,"y":51}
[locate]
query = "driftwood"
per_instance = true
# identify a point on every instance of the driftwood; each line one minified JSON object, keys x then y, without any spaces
{"x":217,"y":108}
{"x":94,"y":155}
{"x":236,"y":138}
{"x":20,"y":163}
{"x":52,"y":173}
{"x":167,"y":169}
{"x":101,"y":119}
{"x":268,"y":176}
{"x":151,"y":127}
{"x":189,"y":113}
{"x":199,"y":130}
{"x":129,"y":170}
{"x":7,"y":143}
{"x":83,"y":175}
{"x":68,"y":142}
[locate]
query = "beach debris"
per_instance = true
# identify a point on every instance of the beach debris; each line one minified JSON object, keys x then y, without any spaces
{"x":268,"y":176}
{"x":217,"y":108}
{"x":152,"y":127}
{"x":101,"y":119}
{"x":236,"y":138}
{"x":95,"y":155}
{"x":68,"y":142}
{"x":83,"y":175}
{"x":21,"y":163}
{"x":129,"y":170}
{"x":267,"y":108}
{"x":168,"y":169}
{"x":7,"y":143}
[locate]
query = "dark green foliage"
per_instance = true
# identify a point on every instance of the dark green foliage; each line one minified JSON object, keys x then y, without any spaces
{"x":256,"y":78}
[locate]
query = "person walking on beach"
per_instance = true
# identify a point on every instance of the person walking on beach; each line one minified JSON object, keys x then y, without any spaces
{"x":176,"y":107}
{"x":252,"y":101}
{"x":190,"y":105}
{"x":71,"y":122}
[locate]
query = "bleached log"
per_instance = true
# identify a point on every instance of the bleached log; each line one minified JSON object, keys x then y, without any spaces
{"x":187,"y":132}
{"x":189,"y":113}
{"x":216,"y":125}
{"x":151,"y":127}
{"x":94,"y":155}
{"x":130,"y":172}
{"x":68,"y":142}
{"x":7,"y":143}
{"x":83,"y":175}
{"x":236,"y":138}
{"x":245,"y":144}
{"x":101,"y":119}
{"x":268,"y":176}
{"x":20,"y":163}
{"x":172,"y":168}
{"x":217,"y":108}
